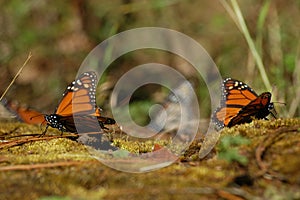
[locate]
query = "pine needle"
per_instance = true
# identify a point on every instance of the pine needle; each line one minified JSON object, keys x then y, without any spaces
{"x":16,"y":76}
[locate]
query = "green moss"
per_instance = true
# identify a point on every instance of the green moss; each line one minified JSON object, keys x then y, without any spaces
{"x":189,"y":177}
{"x":47,"y":151}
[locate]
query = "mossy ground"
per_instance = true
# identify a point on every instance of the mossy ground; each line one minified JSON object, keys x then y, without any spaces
{"x":58,"y":167}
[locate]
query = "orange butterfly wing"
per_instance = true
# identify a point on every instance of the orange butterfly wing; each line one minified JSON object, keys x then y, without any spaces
{"x":79,"y":101}
{"x":258,"y":108}
{"x":30,"y":116}
{"x":24,"y":114}
{"x":79,"y":97}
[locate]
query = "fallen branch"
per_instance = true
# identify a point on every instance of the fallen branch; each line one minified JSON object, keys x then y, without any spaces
{"x":31,"y":139}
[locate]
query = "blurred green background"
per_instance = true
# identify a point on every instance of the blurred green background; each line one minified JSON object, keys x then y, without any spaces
{"x":60,"y":34}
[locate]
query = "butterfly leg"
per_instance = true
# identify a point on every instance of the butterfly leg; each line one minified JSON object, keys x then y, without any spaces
{"x":274,"y":114}
{"x":44,"y":132}
{"x":102,"y":125}
{"x":62,"y":129}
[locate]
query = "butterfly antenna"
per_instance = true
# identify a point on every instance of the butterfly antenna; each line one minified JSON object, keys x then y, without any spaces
{"x":282,"y":103}
{"x":37,"y":116}
{"x":16,"y":76}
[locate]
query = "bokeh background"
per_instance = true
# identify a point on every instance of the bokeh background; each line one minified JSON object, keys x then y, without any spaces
{"x":60,"y":34}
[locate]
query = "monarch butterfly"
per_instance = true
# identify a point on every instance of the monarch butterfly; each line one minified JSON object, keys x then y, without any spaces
{"x":78,"y":101}
{"x":24,"y":114}
{"x":240,"y":104}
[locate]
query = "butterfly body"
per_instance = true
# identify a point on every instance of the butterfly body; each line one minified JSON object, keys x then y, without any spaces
{"x":240,"y":104}
{"x":55,"y":121}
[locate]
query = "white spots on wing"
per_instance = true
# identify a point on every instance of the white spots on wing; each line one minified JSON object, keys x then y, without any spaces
{"x":79,"y":82}
{"x":86,"y":85}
